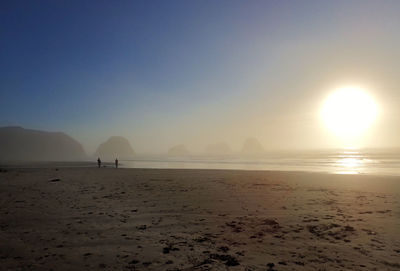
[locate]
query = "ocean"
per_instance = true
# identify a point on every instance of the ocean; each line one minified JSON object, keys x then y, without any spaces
{"x":348,"y":161}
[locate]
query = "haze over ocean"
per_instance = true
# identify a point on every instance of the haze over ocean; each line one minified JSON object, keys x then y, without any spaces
{"x":164,"y":73}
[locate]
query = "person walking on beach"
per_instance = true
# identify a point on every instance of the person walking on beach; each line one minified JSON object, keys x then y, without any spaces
{"x":99,"y":162}
{"x":116,"y":162}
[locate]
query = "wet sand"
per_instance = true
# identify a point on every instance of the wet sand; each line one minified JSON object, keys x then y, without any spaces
{"x":147,"y":219}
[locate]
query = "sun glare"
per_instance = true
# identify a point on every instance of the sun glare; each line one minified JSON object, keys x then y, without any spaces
{"x":349,"y":112}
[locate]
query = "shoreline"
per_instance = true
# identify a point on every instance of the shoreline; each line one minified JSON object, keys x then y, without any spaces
{"x":332,"y":162}
{"x":108,"y":165}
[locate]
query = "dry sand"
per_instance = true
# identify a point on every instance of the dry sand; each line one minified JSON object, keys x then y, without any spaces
{"x":145,"y":219}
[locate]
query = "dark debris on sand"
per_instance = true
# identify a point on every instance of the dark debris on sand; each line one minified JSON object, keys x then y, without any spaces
{"x":55,"y":180}
{"x":228,"y":259}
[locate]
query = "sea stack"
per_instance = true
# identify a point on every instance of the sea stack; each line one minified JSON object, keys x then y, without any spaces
{"x":178,"y":150}
{"x":115,"y":147}
{"x":252,"y":146}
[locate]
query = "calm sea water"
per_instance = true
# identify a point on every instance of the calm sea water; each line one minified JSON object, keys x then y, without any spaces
{"x":376,"y":162}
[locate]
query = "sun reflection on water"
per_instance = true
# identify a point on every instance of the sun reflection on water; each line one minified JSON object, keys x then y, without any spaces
{"x":350,"y":162}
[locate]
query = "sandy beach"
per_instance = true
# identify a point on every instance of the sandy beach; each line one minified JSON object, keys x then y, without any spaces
{"x":148,"y":219}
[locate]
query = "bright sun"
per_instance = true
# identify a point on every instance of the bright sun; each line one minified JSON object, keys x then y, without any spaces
{"x":349,"y":112}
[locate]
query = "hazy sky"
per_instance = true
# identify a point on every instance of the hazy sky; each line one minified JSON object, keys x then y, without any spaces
{"x":163,"y":73}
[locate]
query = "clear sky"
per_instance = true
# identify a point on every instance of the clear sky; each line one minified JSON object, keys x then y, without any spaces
{"x":163,"y":73}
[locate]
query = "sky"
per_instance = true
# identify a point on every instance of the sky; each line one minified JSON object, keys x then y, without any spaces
{"x":162,"y":73}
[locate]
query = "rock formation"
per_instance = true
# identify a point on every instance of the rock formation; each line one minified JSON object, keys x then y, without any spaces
{"x":179,"y":150}
{"x":115,"y":147}
{"x":19,"y":144}
{"x":252,"y":146}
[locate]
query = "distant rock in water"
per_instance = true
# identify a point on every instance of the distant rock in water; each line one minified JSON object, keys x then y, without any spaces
{"x":252,"y":146}
{"x":179,"y":150}
{"x":19,"y":144}
{"x":220,"y":148}
{"x":115,"y":147}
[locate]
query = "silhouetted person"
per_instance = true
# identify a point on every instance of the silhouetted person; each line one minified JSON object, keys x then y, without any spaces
{"x":116,"y":162}
{"x":99,"y":162}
